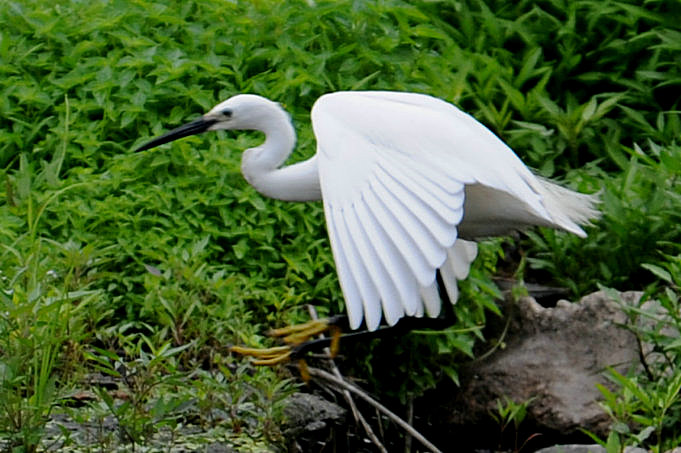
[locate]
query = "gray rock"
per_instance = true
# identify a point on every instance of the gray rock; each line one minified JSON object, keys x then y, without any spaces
{"x":554,"y":356}
{"x":308,"y":412}
{"x":311,"y":421}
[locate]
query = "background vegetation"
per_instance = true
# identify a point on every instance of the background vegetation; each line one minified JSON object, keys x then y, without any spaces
{"x":146,"y":267}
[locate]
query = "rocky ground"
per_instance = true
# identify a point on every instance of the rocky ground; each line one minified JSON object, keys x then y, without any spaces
{"x":552,"y":356}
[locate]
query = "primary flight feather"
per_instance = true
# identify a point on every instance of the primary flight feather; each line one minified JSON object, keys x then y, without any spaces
{"x":408,"y":182}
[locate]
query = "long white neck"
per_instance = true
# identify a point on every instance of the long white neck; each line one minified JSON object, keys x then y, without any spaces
{"x":260,"y":165}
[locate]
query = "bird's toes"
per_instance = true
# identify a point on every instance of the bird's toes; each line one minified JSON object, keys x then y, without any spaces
{"x":301,"y":333}
{"x":265,"y":356}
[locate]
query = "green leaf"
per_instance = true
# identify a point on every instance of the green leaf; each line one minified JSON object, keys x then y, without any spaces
{"x":613,"y":444}
{"x":658,"y":272}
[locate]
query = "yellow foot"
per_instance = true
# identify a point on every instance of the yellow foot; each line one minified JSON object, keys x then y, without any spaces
{"x":265,"y":356}
{"x":301,"y":333}
{"x":295,"y":337}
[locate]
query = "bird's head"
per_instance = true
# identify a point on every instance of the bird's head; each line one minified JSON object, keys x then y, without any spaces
{"x":240,"y":112}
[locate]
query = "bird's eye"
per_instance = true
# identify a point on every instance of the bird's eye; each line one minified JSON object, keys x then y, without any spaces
{"x":227,"y":113}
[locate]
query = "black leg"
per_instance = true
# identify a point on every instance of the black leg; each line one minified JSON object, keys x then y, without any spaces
{"x":407,"y":324}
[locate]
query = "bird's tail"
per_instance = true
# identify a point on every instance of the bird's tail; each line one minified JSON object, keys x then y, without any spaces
{"x":569,"y":209}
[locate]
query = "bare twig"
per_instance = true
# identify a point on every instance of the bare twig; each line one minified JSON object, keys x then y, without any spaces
{"x":359,"y":418}
{"x":319,"y":373}
{"x":410,"y":420}
{"x":379,"y":423}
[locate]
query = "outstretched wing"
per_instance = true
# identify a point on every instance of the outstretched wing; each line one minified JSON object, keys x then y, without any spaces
{"x":393,"y":168}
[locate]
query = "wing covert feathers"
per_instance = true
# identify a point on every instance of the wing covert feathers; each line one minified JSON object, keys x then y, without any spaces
{"x":394,"y":169}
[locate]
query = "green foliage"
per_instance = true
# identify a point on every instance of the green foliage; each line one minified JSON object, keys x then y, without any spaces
{"x":124,"y":257}
{"x":33,"y":336}
{"x":646,"y":406}
{"x":509,"y":412}
{"x":139,"y":414}
{"x":640,"y":225}
{"x":46,"y":308}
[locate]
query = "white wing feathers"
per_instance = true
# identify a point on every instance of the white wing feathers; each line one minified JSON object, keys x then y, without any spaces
{"x":392,"y":168}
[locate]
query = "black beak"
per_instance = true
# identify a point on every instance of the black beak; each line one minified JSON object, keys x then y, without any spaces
{"x":195,"y":127}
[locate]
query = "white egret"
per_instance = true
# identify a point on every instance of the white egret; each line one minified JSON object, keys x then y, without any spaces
{"x":408,"y":182}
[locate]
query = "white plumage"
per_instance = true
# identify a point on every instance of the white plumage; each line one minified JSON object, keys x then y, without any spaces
{"x":407,"y":182}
